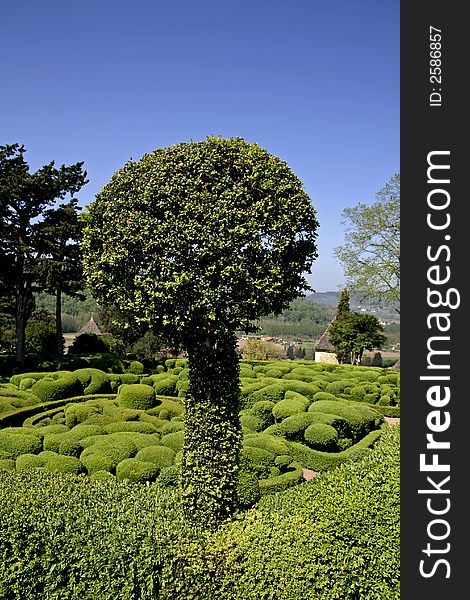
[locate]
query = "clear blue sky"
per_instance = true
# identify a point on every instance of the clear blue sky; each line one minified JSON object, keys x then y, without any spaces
{"x":315,"y":82}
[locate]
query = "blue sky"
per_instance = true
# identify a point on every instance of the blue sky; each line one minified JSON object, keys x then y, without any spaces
{"x":314,"y":82}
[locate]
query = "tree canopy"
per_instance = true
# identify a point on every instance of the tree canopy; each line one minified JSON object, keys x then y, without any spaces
{"x":23,"y":198}
{"x":197,"y":241}
{"x":201,"y":238}
{"x":351,"y":333}
{"x":370,"y":256}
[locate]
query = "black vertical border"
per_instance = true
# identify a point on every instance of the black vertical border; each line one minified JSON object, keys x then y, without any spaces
{"x":425,"y":129}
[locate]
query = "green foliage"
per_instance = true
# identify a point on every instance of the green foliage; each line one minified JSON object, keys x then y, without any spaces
{"x":173,"y":440}
{"x":87,"y":343}
{"x":281,"y":482}
{"x":27,"y":383}
{"x":217,"y":178}
{"x":90,"y":538}
{"x":321,"y":436}
{"x":266,"y":441}
{"x":371,"y":255}
{"x":94,"y":381}
{"x":24,"y":198}
{"x":48,"y":389}
{"x":133,"y":426}
{"x":15,"y":443}
{"x":135,"y":367}
{"x":160,"y":456}
{"x":138,"y":396}
{"x":248,"y":228}
{"x":305,"y":389}
{"x":168,"y":477}
{"x":166,"y":386}
{"x":293,"y":403}
{"x":136,"y":470}
{"x":41,"y":334}
{"x":248,"y":489}
{"x":262,"y":410}
{"x":166,"y":409}
{"x":272,"y":393}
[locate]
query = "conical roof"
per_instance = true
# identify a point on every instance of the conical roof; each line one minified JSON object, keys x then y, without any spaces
{"x":324,"y":344}
{"x":91,"y":326}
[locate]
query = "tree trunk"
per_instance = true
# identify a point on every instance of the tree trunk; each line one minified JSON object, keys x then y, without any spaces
{"x":58,"y":322}
{"x":212,"y":433}
{"x":21,"y":317}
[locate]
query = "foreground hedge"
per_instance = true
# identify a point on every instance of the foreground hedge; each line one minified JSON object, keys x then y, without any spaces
{"x":334,"y":538}
{"x":74,"y":538}
{"x":70,"y":537}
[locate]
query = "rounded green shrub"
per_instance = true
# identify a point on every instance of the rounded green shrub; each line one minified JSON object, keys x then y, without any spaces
{"x":160,"y":456}
{"x":266,"y":441}
{"x":135,"y":426}
{"x":97,"y":462}
{"x":136,"y":470}
{"x":49,"y":390}
{"x":19,"y":443}
{"x":263,"y":411}
{"x":257,"y":460}
{"x":52,"y":441}
{"x":324,"y":396}
{"x":166,"y":409}
{"x":7,"y":464}
{"x":94,"y":381}
{"x":385,"y":401}
{"x":70,"y":446}
{"x":247,"y":372}
{"x":84,"y":430}
{"x":360,"y":417}
{"x":27,"y":383}
{"x":293,"y":427}
{"x":172,"y":426}
{"x":168,"y":477}
{"x":135,"y":367}
{"x":292,"y":404}
{"x":79,"y":413}
{"x":52,"y":428}
{"x":357,"y":393}
{"x":340,"y":386}
{"x":273,"y":372}
{"x":273,"y":393}
{"x":248,"y":491}
{"x":117,"y":449}
{"x":138,"y":440}
{"x":173,"y":440}
{"x":279,"y":483}
{"x":166,"y":387}
{"x":63,"y":464}
{"x":29,"y":461}
{"x":138,"y":396}
{"x":170,"y":363}
{"x":16,"y":379}
{"x":301,"y":387}
{"x":321,"y":436}
{"x":128,"y":378}
{"x":249,"y":422}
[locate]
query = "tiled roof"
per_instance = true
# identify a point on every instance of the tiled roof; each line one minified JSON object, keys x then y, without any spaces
{"x":90,"y":326}
{"x":324,"y":344}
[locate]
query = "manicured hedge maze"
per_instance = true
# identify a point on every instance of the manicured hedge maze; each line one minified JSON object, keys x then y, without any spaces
{"x":131,"y":425}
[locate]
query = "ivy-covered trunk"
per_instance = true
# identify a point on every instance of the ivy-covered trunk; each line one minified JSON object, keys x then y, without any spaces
{"x":212,"y":433}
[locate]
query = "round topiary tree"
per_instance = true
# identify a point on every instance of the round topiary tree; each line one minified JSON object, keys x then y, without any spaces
{"x":199,"y":240}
